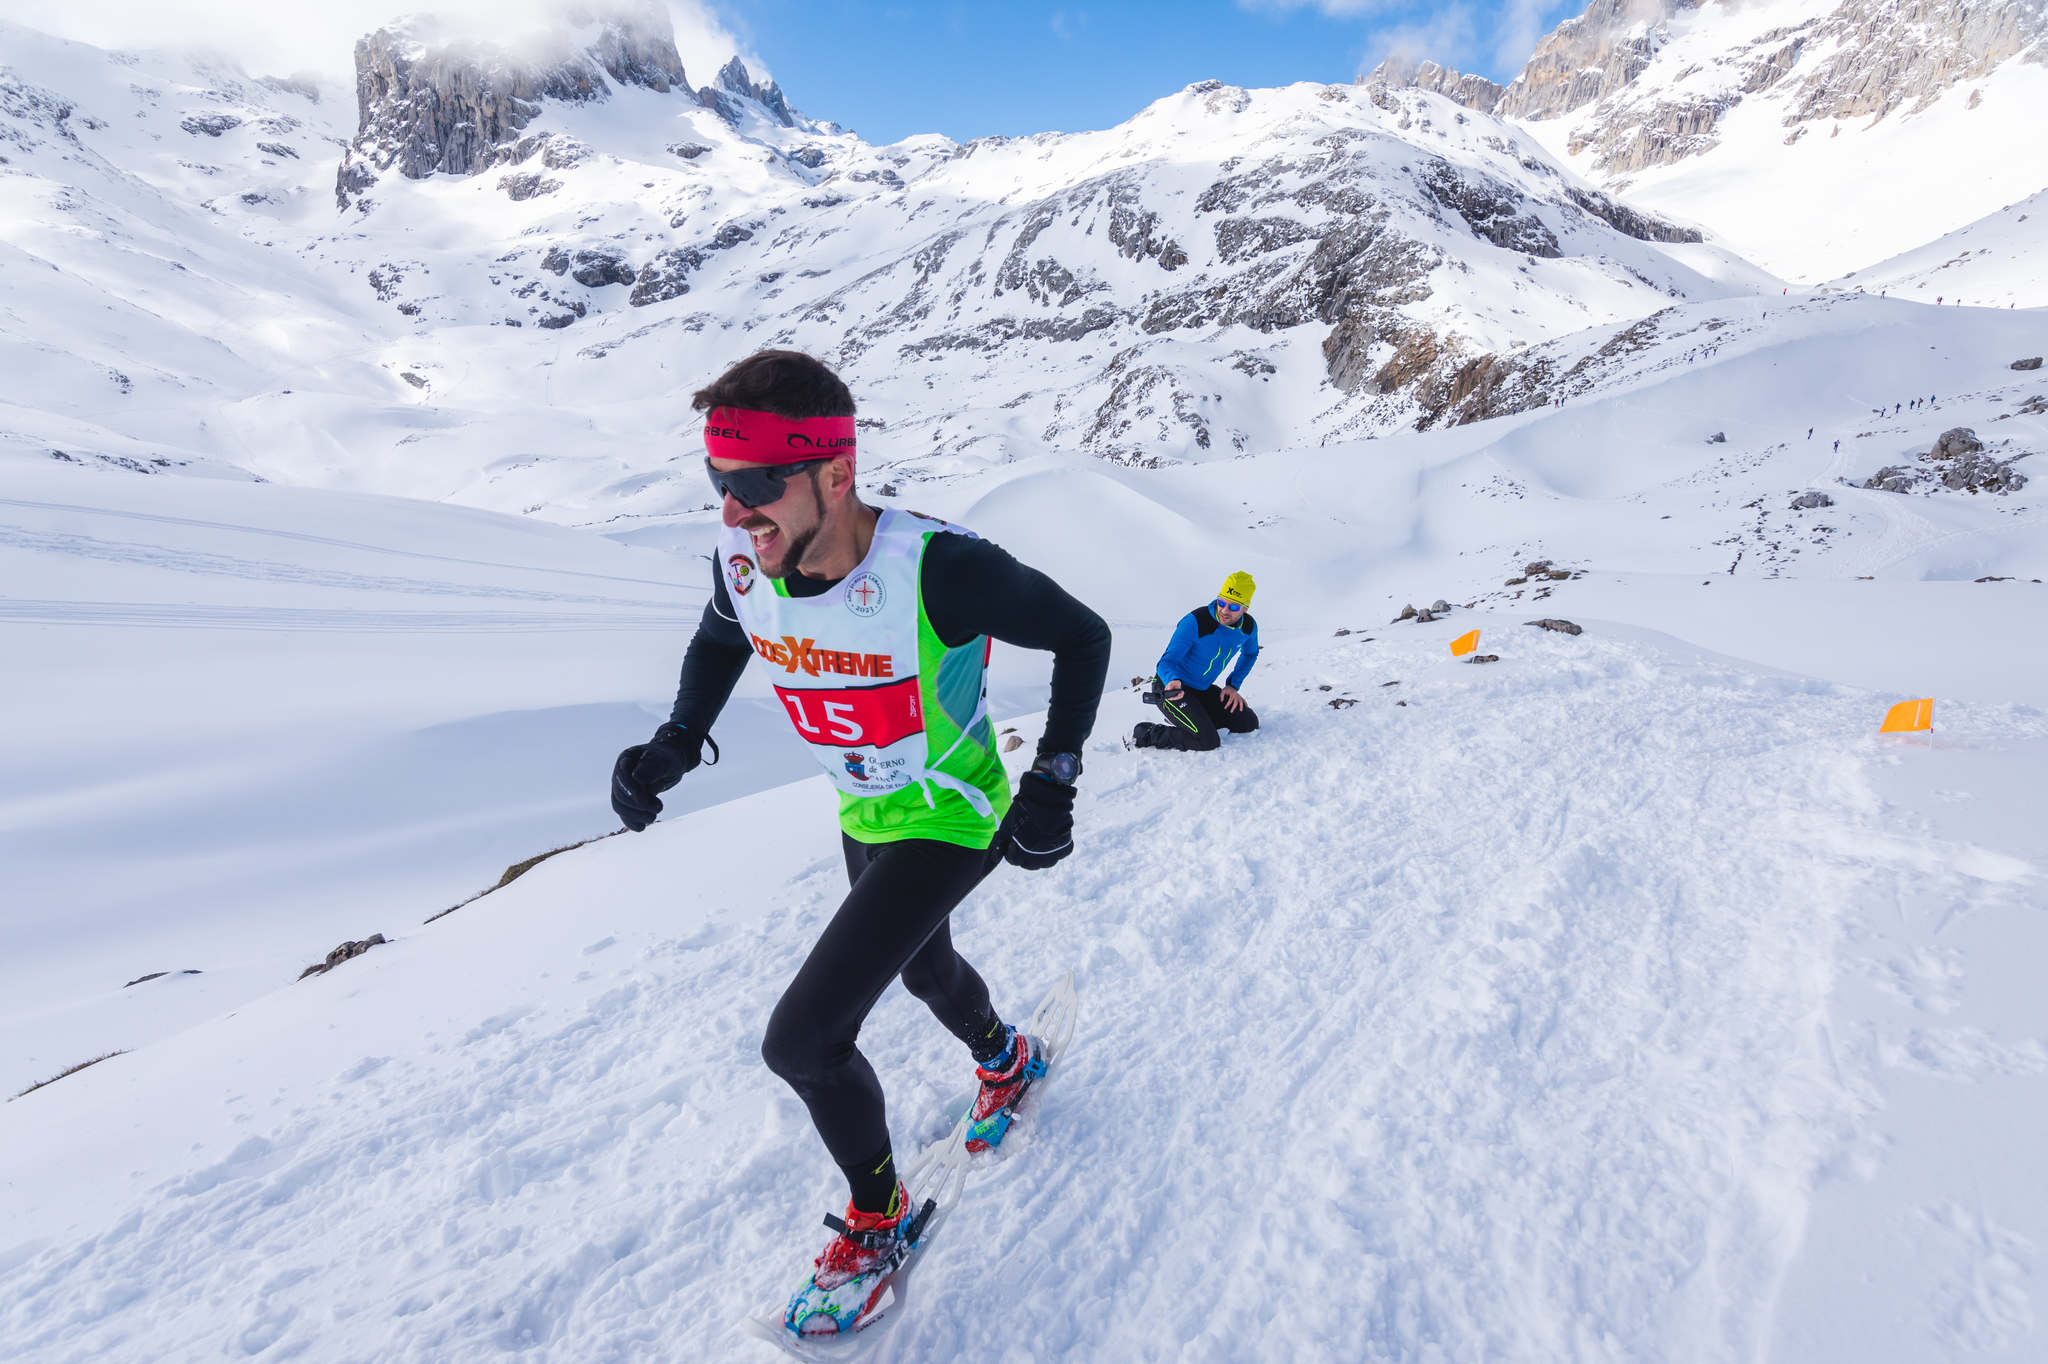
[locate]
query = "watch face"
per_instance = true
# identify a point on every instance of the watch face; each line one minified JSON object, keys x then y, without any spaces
{"x":1063,"y":767}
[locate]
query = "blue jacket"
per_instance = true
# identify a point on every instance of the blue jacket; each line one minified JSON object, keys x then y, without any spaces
{"x":1201,"y":647}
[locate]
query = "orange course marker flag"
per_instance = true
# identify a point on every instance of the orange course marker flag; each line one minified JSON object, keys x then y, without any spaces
{"x":1908,"y":716}
{"x":1464,"y":644}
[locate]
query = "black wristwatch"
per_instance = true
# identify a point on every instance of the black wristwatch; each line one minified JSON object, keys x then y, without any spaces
{"x":1060,"y":767}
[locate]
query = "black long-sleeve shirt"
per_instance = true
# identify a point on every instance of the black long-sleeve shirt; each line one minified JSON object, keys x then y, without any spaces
{"x":971,"y":587}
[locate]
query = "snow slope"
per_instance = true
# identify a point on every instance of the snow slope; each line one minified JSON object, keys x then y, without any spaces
{"x":1498,"y":1024}
{"x":1626,"y":998}
{"x":1996,"y":261}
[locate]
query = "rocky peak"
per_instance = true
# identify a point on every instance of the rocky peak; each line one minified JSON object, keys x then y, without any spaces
{"x":428,"y":103}
{"x":1858,"y":58}
{"x":736,"y":82}
{"x":1588,"y":58}
{"x":1474,"y":92}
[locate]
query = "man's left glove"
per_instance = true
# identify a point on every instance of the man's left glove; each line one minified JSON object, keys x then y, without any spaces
{"x":1039,"y":830}
{"x":645,"y":770}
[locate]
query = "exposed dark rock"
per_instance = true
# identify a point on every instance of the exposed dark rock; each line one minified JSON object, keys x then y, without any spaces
{"x":809,"y":157}
{"x":1718,"y":438}
{"x":527,"y":185}
{"x":665,"y":277}
{"x":1642,"y":226}
{"x":1977,"y":473}
{"x":277,"y":149}
{"x":1894,"y":478}
{"x":1563,"y":627}
{"x":158,"y":975}
{"x":417,"y":381}
{"x":735,"y":83}
{"x":1484,"y":658}
{"x":427,"y":106}
{"x":1474,"y":92}
{"x":1240,"y":239}
{"x":2031,"y":362}
{"x":688,"y":151}
{"x":1812,"y":501}
{"x":1494,"y":212}
{"x":210,"y":125}
{"x":342,"y":954}
{"x":1955,"y":442}
{"x":593,"y":269}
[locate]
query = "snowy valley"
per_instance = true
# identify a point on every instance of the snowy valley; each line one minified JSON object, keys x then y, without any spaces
{"x":1626,"y":997}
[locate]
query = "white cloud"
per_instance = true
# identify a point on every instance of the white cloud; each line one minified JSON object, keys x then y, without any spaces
{"x":1520,"y":24}
{"x":1446,"y":38}
{"x":269,"y":38}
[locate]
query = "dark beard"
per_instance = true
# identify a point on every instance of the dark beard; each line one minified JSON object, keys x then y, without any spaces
{"x":800,"y":545}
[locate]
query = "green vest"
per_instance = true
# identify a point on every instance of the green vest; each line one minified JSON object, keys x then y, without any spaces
{"x":898,"y":720}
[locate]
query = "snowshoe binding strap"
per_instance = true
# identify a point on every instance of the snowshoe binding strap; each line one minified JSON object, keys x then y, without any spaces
{"x":865,"y":1238}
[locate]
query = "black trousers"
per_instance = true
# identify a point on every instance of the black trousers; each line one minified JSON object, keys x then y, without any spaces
{"x":1193,"y":721}
{"x":892,"y":923}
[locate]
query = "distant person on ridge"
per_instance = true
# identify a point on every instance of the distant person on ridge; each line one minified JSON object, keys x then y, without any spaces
{"x":1203,"y":644}
{"x":874,"y":627}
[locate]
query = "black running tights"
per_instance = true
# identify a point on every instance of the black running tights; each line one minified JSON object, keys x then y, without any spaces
{"x":892,"y":923}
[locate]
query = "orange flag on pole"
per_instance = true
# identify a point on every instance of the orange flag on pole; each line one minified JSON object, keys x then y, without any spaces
{"x":1908,"y":716}
{"x":1464,"y":644}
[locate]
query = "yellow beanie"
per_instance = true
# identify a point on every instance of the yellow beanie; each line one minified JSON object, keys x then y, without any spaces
{"x":1238,"y":587}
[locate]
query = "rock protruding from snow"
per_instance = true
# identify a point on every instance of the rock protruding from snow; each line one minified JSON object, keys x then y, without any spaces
{"x":429,"y":106}
{"x":1955,"y":442}
{"x":2031,"y":362}
{"x":343,"y":953}
{"x":736,"y":83}
{"x":1959,"y":463}
{"x":1812,"y":501}
{"x":1590,"y":57}
{"x":1474,"y":92}
{"x":1563,"y":627}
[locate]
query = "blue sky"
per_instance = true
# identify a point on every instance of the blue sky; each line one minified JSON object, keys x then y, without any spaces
{"x":890,"y":68}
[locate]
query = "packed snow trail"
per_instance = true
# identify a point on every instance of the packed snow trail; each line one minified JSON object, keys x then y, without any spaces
{"x":1488,"y":1026}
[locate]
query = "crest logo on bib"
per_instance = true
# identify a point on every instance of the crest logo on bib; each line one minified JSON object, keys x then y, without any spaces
{"x":742,"y":573}
{"x":865,"y":595}
{"x":856,"y":764}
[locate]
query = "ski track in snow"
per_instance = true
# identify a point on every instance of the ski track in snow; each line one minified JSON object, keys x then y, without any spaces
{"x":1489,"y":1026}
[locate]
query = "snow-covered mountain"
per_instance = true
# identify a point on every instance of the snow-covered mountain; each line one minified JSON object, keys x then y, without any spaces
{"x":1616,"y":995}
{"x":1811,"y":136}
{"x":1230,"y":270}
{"x":1626,"y":997}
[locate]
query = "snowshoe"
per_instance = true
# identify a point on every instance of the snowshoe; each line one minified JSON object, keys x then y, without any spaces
{"x":849,"y":1279}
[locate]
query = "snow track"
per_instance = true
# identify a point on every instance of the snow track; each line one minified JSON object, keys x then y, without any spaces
{"x":1494,"y":1025}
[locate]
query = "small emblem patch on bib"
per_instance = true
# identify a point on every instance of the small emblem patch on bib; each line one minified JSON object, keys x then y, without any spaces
{"x":742,"y":573}
{"x":865,"y":595}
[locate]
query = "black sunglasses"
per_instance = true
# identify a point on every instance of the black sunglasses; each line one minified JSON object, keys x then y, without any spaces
{"x":756,"y":485}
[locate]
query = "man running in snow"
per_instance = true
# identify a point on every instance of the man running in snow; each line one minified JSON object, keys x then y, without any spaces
{"x":874,"y":627}
{"x":1201,"y":648}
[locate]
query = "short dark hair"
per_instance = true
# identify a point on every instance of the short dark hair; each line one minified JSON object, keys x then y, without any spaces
{"x":787,"y":383}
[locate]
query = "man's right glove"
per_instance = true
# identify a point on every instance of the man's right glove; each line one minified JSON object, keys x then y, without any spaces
{"x":645,"y":770}
{"x":1039,"y":830}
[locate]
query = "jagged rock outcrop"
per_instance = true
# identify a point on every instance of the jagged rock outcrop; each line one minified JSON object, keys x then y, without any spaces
{"x":1474,"y":92}
{"x":736,"y":83}
{"x":591,"y":269}
{"x":1862,"y":58}
{"x":1588,"y":58}
{"x":427,"y":105}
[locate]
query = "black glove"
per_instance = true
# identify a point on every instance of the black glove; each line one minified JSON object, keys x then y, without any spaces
{"x":646,"y":769}
{"x":1039,"y":830}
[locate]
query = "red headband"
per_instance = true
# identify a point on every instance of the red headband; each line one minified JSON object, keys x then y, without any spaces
{"x":764,"y":438}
